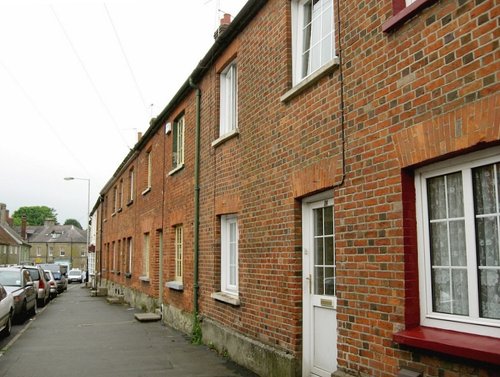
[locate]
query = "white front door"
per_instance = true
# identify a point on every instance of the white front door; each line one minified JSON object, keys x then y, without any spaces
{"x":319,"y":300}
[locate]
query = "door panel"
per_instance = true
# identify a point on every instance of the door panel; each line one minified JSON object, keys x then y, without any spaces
{"x":319,"y":300}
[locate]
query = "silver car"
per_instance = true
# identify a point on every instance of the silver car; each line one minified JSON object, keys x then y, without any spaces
{"x":41,"y":285}
{"x":17,"y":282}
{"x":6,"y":312}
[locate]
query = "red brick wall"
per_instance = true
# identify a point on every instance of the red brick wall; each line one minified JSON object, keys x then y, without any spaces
{"x":425,"y":91}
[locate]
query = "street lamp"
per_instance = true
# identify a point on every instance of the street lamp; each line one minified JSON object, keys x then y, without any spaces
{"x":88,"y":215}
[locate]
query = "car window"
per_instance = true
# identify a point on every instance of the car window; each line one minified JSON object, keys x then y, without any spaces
{"x":57,"y":275}
{"x":10,"y":278}
{"x":35,"y":275}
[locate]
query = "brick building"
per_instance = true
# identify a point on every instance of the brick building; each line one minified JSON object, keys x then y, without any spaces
{"x":322,"y":193}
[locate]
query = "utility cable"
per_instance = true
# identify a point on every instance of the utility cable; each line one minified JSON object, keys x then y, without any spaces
{"x":43,"y":117}
{"x":125,"y":56}
{"x":89,"y":78}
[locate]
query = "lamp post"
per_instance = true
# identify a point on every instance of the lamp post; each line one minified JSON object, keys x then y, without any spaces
{"x":88,"y":216}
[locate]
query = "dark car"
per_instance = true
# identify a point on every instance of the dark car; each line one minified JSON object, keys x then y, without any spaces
{"x":17,"y":281}
{"x":62,"y":282}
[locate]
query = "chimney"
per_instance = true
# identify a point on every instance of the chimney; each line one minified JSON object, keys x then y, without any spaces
{"x":224,"y":24}
{"x":23,"y":228}
{"x":49,"y":222}
{"x":3,"y":213}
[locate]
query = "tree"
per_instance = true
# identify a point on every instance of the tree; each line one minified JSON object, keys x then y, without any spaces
{"x":35,"y":215}
{"x":73,"y":222}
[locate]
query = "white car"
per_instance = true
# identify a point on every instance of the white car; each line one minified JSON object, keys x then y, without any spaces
{"x":6,"y":312}
{"x":75,"y":275}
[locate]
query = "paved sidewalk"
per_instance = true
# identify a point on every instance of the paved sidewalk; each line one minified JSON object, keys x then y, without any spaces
{"x":78,"y":335}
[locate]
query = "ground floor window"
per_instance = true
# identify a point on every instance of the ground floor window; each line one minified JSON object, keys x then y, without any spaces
{"x":458,"y":222}
{"x":229,"y":254}
{"x":178,"y":245}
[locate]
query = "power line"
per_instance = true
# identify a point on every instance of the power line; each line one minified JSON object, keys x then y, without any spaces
{"x":89,"y":78}
{"x":125,"y":56}
{"x":42,"y":116}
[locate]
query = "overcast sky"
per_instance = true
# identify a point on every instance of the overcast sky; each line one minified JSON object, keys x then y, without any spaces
{"x":79,"y":79}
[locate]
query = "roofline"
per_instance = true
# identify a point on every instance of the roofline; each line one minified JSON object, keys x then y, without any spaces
{"x":242,"y":19}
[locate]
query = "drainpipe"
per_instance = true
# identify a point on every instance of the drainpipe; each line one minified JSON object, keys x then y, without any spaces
{"x":196,"y":325}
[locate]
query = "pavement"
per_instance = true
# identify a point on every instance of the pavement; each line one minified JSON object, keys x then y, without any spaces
{"x":79,"y":335}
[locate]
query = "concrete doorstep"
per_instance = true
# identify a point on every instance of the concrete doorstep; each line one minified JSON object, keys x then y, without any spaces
{"x":147,"y":317}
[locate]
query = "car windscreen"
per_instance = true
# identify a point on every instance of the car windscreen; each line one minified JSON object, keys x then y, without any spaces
{"x":57,"y":275}
{"x":12,"y":278}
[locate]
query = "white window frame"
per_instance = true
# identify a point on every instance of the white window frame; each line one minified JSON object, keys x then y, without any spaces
{"x":178,"y":152}
{"x":179,"y":254}
{"x":298,"y":13}
{"x":38,"y":251}
{"x":228,"y":99}
{"x":131,"y":182}
{"x":229,"y":254}
{"x":408,"y":2}
{"x":471,"y":323}
{"x":145,"y":254}
{"x":130,"y":251}
{"x":149,"y":161}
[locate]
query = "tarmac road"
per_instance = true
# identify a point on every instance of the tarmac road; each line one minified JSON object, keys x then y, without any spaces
{"x":78,"y":335}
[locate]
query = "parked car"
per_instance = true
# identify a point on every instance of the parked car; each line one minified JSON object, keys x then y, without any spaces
{"x":17,"y":282}
{"x":41,"y":286}
{"x":74,"y":275}
{"x":62,"y":282}
{"x":52,"y":283}
{"x":6,"y":312}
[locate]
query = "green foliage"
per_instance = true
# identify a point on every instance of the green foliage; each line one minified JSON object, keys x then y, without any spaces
{"x":35,"y":215}
{"x":197,"y":336}
{"x":73,"y":222}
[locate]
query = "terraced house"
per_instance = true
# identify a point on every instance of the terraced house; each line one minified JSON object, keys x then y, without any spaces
{"x":321,"y":196}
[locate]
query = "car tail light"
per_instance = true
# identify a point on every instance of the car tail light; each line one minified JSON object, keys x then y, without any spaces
{"x":53,"y":283}
{"x":41,"y":284}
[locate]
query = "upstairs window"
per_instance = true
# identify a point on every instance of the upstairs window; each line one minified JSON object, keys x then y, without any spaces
{"x":131,"y":185}
{"x":459,"y":244}
{"x":178,"y":143}
{"x":145,"y":255}
{"x":228,"y":100}
{"x":149,"y":168}
{"x":312,"y":36}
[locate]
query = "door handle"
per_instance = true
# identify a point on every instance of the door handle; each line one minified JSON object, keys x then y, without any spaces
{"x":309,"y":279}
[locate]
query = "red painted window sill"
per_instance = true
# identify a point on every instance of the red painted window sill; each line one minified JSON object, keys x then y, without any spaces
{"x":405,"y":14}
{"x":469,"y":346}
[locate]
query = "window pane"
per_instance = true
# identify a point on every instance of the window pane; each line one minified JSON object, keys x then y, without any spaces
{"x":318,"y":251}
{"x":329,"y":281}
{"x":455,"y":195}
{"x":319,"y":279}
{"x":326,"y":49}
{"x":490,"y":293}
{"x":460,"y":292}
{"x":329,"y":252}
{"x":328,"y":213}
{"x":457,"y":243}
{"x":439,"y":244}
{"x":441,"y":294}
{"x":318,"y":222}
{"x":436,"y":198}
{"x":485,"y":197}
{"x":487,"y":241}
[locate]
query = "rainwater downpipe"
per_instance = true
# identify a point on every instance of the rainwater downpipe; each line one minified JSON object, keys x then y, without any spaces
{"x":196,"y":220}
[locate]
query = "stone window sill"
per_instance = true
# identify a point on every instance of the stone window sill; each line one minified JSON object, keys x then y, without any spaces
{"x":130,"y":202}
{"x":147,"y":190}
{"x":310,"y":80}
{"x":144,"y":279}
{"x":473,"y":347}
{"x":225,"y":137}
{"x":175,"y":285}
{"x":226,"y":298}
{"x":176,"y":169}
{"x":405,"y":14}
